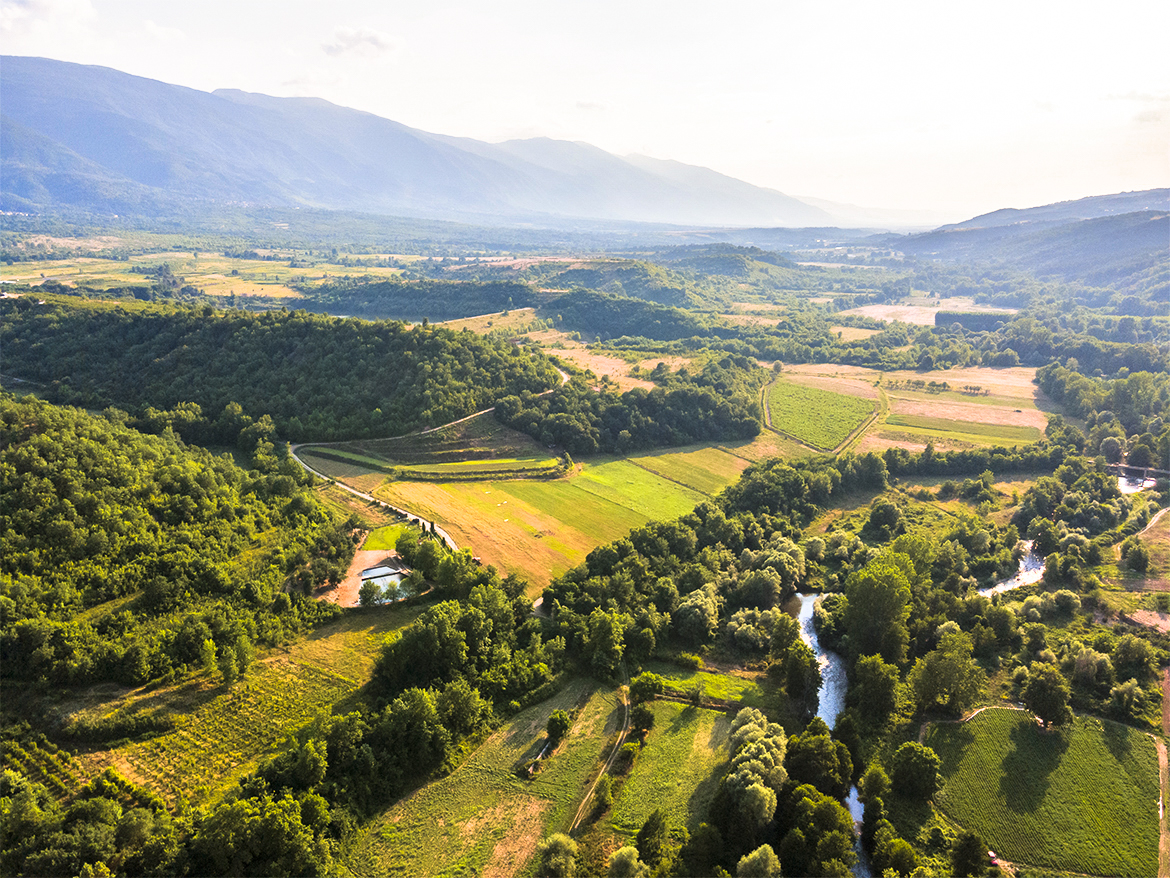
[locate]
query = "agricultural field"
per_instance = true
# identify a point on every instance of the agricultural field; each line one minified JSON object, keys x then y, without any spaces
{"x":209,"y":272}
{"x":819,"y":418}
{"x":678,"y":769}
{"x":539,"y":529}
{"x":224,"y":733}
{"x":1080,"y":799}
{"x":920,"y":310}
{"x":482,"y":818}
{"x":982,"y":406}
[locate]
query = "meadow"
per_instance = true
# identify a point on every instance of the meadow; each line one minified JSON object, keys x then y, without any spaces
{"x":483,"y":819}
{"x":1082,"y":798}
{"x":678,"y":769}
{"x":819,"y":418}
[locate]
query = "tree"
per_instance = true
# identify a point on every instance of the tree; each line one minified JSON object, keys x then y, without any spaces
{"x":915,"y":771}
{"x":645,"y":686}
{"x":760,"y":863}
{"x":947,"y":675}
{"x":652,"y":837}
{"x":875,"y":691}
{"x":1047,"y":694}
{"x":967,"y":854}
{"x":556,"y":857}
{"x":874,"y":783}
{"x":624,"y":863}
{"x":878,"y":608}
{"x":558,"y":726}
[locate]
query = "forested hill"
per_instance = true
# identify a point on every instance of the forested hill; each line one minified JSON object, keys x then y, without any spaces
{"x":317,"y":377}
{"x":127,"y":557}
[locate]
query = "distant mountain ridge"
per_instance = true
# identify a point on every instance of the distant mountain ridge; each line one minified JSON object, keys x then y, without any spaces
{"x":94,"y":137}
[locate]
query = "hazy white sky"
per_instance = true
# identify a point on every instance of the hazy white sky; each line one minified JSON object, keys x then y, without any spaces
{"x":960,"y":107}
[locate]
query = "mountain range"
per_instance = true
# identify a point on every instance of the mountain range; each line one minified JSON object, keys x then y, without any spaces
{"x":107,"y":141}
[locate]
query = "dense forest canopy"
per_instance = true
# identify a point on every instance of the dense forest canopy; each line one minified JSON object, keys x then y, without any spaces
{"x":190,"y":547}
{"x":289,"y":366}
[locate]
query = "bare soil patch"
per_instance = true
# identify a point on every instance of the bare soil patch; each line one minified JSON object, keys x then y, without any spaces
{"x":849,"y":386}
{"x":876,"y":442}
{"x":853,"y":333}
{"x":1152,"y":619}
{"x":751,"y":319}
{"x":346,"y":593}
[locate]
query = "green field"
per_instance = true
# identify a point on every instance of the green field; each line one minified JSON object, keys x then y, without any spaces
{"x":819,"y":418}
{"x":753,"y":691}
{"x":1080,"y":799}
{"x":967,"y":430}
{"x":678,"y":769}
{"x":706,"y":470}
{"x":482,"y":816}
{"x":384,"y":539}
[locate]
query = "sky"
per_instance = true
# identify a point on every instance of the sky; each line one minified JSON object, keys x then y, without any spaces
{"x":957,"y":107}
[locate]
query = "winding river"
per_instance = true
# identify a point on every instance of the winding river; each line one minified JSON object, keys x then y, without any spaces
{"x":834,"y":682}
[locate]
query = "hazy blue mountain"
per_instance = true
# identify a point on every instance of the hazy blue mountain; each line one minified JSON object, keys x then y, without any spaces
{"x":1083,"y":208}
{"x":100,"y":138}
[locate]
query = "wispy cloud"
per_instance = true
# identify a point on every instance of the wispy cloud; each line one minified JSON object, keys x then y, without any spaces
{"x":357,"y":41}
{"x":162,"y":32}
{"x":18,"y":17}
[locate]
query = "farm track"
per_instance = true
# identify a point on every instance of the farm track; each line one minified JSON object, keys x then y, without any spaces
{"x":623,"y":694}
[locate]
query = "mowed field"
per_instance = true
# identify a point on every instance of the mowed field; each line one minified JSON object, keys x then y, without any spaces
{"x":482,"y":819}
{"x":1080,"y":799}
{"x":224,"y":733}
{"x":539,"y":529}
{"x":678,"y":769}
{"x":921,"y":309}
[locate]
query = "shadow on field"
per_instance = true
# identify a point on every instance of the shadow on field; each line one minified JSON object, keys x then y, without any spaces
{"x":1026,"y":768}
{"x":951,"y":742}
{"x":684,"y":716}
{"x":1117,"y":739}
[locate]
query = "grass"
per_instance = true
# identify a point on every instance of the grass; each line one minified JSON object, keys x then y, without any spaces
{"x":753,"y":691}
{"x":678,"y":769}
{"x":1082,"y":798}
{"x":384,"y":539}
{"x":482,"y":818}
{"x":706,"y":470}
{"x":819,"y":418}
{"x":968,"y":430}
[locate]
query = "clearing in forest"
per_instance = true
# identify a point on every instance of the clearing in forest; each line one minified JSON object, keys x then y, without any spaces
{"x":678,"y":770}
{"x":483,"y":818}
{"x":819,"y":418}
{"x":1083,"y":798}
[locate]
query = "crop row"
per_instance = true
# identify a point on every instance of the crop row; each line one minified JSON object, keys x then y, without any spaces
{"x":818,"y":418}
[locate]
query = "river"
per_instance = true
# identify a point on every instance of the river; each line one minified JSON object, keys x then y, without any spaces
{"x":834,"y":683}
{"x":1030,"y":571}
